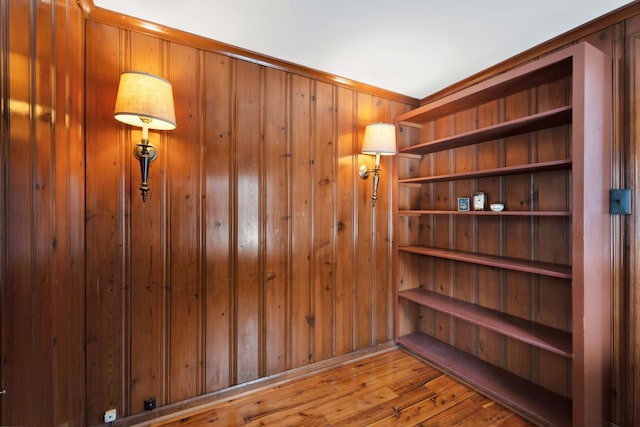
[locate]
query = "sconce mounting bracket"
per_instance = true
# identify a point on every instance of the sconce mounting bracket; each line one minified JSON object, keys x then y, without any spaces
{"x":151,"y":152}
{"x":364,"y":172}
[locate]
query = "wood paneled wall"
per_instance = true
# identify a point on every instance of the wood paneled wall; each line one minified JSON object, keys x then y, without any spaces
{"x":42,"y":213}
{"x":257,"y":250}
{"x":628,"y":324}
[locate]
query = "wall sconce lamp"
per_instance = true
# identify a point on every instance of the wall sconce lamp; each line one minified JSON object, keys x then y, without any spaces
{"x":146,"y":101}
{"x":379,"y":139}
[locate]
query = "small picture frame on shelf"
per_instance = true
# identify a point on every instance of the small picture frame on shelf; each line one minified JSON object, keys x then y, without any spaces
{"x":463,"y":203}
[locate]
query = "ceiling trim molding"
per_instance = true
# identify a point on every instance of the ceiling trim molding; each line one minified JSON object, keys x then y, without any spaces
{"x":109,"y":17}
{"x":572,"y":36}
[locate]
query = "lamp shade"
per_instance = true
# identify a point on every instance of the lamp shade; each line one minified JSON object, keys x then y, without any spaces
{"x":379,"y":138}
{"x":145,"y":99}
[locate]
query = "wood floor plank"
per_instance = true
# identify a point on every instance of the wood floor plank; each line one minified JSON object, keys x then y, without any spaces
{"x":275,"y":400}
{"x":391,"y":388}
{"x":459,"y":414}
{"x":392,"y":408}
{"x":341,"y":400}
{"x":478,"y":411}
{"x":422,"y":411}
{"x":494,"y":415}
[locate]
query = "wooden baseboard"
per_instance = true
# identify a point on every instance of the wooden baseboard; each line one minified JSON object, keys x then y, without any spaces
{"x":204,"y":402}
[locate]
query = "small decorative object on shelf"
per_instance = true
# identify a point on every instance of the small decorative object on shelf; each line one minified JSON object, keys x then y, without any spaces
{"x":479,"y":201}
{"x":463,"y":203}
{"x":496,"y":207}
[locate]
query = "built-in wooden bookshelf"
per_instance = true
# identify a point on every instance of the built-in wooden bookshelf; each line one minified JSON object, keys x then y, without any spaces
{"x":515,"y":303}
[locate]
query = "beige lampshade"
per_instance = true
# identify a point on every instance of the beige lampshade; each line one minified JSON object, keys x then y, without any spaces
{"x":379,"y":138}
{"x":143,"y":96}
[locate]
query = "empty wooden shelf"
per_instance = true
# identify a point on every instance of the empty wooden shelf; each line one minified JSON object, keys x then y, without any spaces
{"x":537,"y":403}
{"x":547,"y":119}
{"x":551,"y":339}
{"x":516,"y":303}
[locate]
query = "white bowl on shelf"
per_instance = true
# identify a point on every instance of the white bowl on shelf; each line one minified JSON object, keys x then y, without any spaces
{"x":496,"y":207}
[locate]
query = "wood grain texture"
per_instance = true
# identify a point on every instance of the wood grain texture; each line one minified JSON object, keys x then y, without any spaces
{"x":43,"y":219}
{"x":364,"y":232}
{"x":231,"y":271}
{"x":324,"y":248}
{"x":301,"y":317}
{"x":146,"y":306}
{"x":389,"y":388}
{"x":105,"y":175}
{"x":218,"y":275}
{"x":249,"y":144}
{"x":383,"y":111}
{"x":346,"y":216}
{"x":277,"y":231}
{"x":632,"y":382}
{"x":184,"y":231}
{"x":84,"y":328}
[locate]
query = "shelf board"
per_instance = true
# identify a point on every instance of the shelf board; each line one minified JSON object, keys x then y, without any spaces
{"x":547,"y":119}
{"x":541,"y":71}
{"x":533,"y":401}
{"x":544,"y":268}
{"x":535,"y":334}
{"x":418,"y":212}
{"x":507,"y":170}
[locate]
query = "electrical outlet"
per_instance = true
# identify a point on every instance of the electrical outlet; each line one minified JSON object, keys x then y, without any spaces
{"x":150,"y":404}
{"x":110,"y":415}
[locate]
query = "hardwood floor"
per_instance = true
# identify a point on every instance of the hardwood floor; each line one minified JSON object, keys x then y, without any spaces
{"x":388,"y":388}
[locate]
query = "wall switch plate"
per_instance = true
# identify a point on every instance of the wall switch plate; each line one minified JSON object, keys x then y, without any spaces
{"x":110,"y":415}
{"x":620,"y":201}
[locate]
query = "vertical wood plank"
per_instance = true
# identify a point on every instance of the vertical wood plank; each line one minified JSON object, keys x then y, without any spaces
{"x":278,"y":218}
{"x":42,"y":192}
{"x":490,"y":155}
{"x":16,"y":274}
{"x":404,"y":274}
{"x":620,"y":177}
{"x":183,"y":209}
{"x":443,"y":229}
{"x":103,"y":227}
{"x":249,"y":142}
{"x":518,"y":193}
{"x":69,"y":386}
{"x":324,"y":224}
{"x":632,"y":384}
{"x":381,"y":232}
{"x":591,"y":316}
{"x":399,"y":199}
{"x":302,"y":221}
{"x":218,"y":200}
{"x":345,"y":228}
{"x":147,"y":236}
{"x":42,"y":182}
{"x":464,"y":234}
{"x":490,"y":232}
{"x":553,"y":303}
{"x":364,"y":277}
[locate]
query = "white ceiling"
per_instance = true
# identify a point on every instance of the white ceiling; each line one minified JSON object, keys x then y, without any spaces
{"x":413,"y":47}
